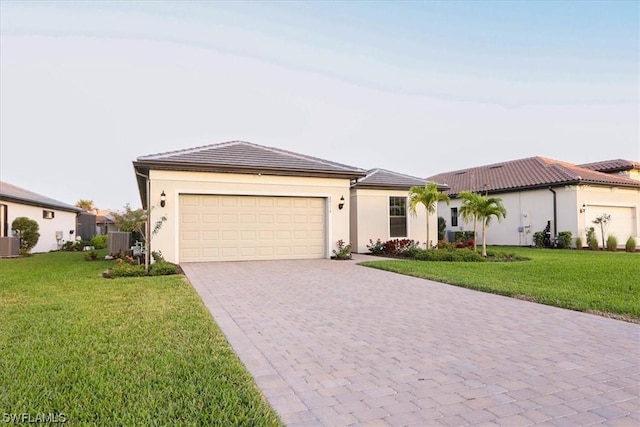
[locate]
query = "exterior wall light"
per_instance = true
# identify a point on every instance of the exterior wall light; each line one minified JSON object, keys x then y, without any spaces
{"x":583,"y":208}
{"x":341,"y":204}
{"x":163,"y":199}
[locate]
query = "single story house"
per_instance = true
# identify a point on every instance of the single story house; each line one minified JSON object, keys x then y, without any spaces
{"x":380,"y":210}
{"x":536,"y":190}
{"x":242,"y":201}
{"x":57,"y":220}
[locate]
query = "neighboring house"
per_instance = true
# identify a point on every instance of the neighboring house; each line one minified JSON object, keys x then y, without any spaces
{"x":105,"y":222}
{"x":242,"y":201}
{"x":57,"y":220}
{"x":619,"y":167}
{"x":537,"y":189}
{"x":380,"y":210}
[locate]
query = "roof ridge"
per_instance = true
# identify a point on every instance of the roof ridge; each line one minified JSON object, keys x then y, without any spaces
{"x":401,"y":174}
{"x":191,"y":149}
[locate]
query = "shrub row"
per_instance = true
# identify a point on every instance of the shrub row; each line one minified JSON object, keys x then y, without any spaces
{"x":162,"y":268}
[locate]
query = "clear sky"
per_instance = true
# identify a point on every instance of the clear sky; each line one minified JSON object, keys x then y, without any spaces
{"x":415,"y":87}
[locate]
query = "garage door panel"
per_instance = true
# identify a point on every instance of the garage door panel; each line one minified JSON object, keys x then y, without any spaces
{"x":210,"y":235}
{"x":206,"y":202}
{"x":216,"y":227}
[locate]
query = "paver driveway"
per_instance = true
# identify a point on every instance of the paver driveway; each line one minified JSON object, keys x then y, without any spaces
{"x":332,"y":343}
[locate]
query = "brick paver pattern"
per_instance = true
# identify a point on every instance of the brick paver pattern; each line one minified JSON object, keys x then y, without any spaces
{"x":332,"y":343}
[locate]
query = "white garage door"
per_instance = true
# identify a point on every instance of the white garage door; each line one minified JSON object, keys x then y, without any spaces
{"x":234,"y":228}
{"x":622,"y":223}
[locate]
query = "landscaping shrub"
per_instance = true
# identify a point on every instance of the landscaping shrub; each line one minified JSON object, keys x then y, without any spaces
{"x":564,"y":240}
{"x":538,"y":239}
{"x":99,"y":241}
{"x":612,"y":243}
{"x":376,"y":248}
{"x":592,"y":240}
{"x":27,"y":230}
{"x":127,"y":270}
{"x":394,"y":247}
{"x":451,"y":255}
{"x":579,"y":243}
{"x":463,"y":235}
{"x":630,"y":246}
{"x":91,"y":256}
{"x":162,"y":268}
{"x":343,"y":251}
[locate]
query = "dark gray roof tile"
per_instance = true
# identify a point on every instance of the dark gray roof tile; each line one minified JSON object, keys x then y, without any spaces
{"x":20,"y":195}
{"x":246,"y":155}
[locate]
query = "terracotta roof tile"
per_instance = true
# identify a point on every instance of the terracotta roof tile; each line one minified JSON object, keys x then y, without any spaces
{"x":615,"y":165}
{"x":525,"y":173}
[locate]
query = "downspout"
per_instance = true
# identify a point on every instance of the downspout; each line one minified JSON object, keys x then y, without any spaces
{"x":555,"y":214}
{"x":147,"y":241}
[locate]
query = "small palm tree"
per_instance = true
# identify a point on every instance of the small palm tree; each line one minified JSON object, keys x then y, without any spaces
{"x":487,"y":208}
{"x":469,"y":210}
{"x":429,"y":196}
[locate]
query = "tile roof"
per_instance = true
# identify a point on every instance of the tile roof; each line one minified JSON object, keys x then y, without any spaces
{"x":382,"y":178}
{"x":526,"y":173}
{"x":615,"y":165}
{"x":20,"y":195}
{"x":238,"y":156}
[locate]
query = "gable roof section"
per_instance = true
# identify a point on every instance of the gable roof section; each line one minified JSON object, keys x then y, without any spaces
{"x":610,"y":166}
{"x":384,"y":179}
{"x":246,"y":157}
{"x":528,"y":173}
{"x":16,"y":194}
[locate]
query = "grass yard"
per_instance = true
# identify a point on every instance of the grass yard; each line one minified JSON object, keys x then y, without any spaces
{"x":600,"y":282}
{"x":135,"y":351}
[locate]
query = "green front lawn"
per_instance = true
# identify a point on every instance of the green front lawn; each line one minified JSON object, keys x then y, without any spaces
{"x":604,"y":282}
{"x":106,"y":352}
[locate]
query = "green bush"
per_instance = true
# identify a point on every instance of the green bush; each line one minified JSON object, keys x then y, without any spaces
{"x":343,"y":251}
{"x":564,"y":240}
{"x":99,"y":241}
{"x":127,"y":270}
{"x":578,"y":243}
{"x":538,"y":239}
{"x":451,"y":255}
{"x":592,"y":242}
{"x":27,"y":230}
{"x":162,"y":268}
{"x":91,"y":256}
{"x":612,"y":243}
{"x":630,"y":246}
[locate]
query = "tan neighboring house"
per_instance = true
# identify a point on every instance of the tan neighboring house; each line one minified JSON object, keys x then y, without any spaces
{"x":57,"y":220}
{"x":242,"y":201}
{"x":537,"y":189}
{"x":380,"y":210}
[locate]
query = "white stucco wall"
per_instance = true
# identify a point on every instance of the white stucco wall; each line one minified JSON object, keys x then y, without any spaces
{"x":174,"y":183}
{"x":62,"y":221}
{"x":370,"y":219}
{"x":532,"y":209}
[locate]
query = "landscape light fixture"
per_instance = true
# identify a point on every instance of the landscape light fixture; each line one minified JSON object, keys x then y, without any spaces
{"x":341,"y":204}
{"x":163,"y":199}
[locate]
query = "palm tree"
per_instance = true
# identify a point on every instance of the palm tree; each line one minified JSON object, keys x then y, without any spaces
{"x":429,"y":196}
{"x":487,"y":208}
{"x":469,"y":210}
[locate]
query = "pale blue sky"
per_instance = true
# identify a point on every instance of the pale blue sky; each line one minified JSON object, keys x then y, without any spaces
{"x":416,"y":87}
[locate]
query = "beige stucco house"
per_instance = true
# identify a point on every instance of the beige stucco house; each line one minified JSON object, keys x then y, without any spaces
{"x":242,"y":201}
{"x":56,"y":220}
{"x":380,"y":210}
{"x":537,"y":189}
